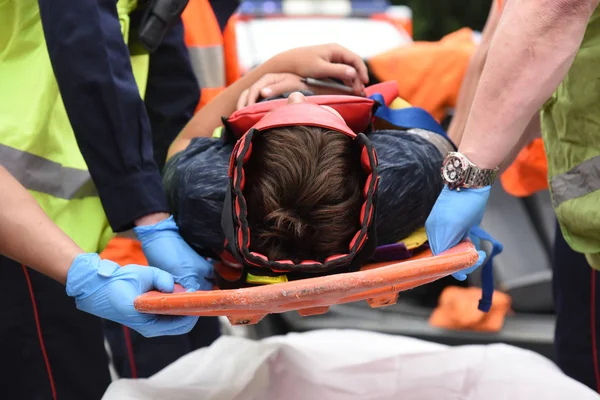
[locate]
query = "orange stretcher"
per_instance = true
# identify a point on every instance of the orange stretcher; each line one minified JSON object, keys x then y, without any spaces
{"x":378,"y":284}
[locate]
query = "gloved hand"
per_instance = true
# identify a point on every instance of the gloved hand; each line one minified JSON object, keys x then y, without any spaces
{"x":451,"y":220}
{"x":462,"y":275}
{"x":103,"y":288}
{"x":164,"y":248}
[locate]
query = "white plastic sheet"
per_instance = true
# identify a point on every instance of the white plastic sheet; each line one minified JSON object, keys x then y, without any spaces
{"x":346,"y":364}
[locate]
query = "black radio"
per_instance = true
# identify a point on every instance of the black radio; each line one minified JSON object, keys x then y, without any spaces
{"x":159,"y":17}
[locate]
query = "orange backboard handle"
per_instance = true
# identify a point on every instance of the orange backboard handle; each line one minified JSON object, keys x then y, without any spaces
{"x":378,"y":283}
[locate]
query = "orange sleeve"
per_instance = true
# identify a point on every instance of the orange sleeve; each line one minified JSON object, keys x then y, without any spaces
{"x":124,"y":251}
{"x":528,"y":174}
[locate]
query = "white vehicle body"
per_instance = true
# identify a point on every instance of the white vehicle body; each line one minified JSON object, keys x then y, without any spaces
{"x":262,"y":36}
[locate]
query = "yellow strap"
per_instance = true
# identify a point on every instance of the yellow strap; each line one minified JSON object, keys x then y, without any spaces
{"x":218,"y":132}
{"x":415,"y":239}
{"x":265,"y":280}
{"x":399,"y":103}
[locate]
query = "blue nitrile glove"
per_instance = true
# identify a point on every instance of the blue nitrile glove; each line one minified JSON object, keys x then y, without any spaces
{"x":107,"y":290}
{"x":462,"y":275}
{"x":451,"y":220}
{"x":164,"y":248}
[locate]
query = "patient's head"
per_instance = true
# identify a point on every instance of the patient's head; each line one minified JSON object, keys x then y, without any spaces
{"x":303,"y":192}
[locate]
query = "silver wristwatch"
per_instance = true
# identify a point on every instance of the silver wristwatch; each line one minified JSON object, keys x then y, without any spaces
{"x":458,"y":172}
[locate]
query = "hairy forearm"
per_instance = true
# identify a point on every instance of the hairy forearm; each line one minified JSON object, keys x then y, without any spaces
{"x":472,"y":75}
{"x":465,"y":97}
{"x":28,"y":236}
{"x":533,"y":48}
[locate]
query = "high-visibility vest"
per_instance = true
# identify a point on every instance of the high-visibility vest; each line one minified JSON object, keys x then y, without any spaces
{"x":37,"y":143}
{"x":213,"y":54}
{"x":571,"y":132}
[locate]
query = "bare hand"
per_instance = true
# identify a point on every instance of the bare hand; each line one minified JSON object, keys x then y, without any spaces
{"x":277,"y":84}
{"x":326,"y":61}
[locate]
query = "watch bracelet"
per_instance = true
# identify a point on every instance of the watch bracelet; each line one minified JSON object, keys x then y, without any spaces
{"x":479,"y":178}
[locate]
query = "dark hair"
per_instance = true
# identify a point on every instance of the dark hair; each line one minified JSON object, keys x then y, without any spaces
{"x":303,"y":192}
{"x":409,"y":183}
{"x":409,"y":168}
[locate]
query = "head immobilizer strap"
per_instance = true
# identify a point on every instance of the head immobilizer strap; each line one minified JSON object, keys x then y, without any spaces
{"x":234,"y":219}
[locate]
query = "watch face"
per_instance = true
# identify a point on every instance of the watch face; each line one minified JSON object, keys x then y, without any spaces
{"x":454,"y":170}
